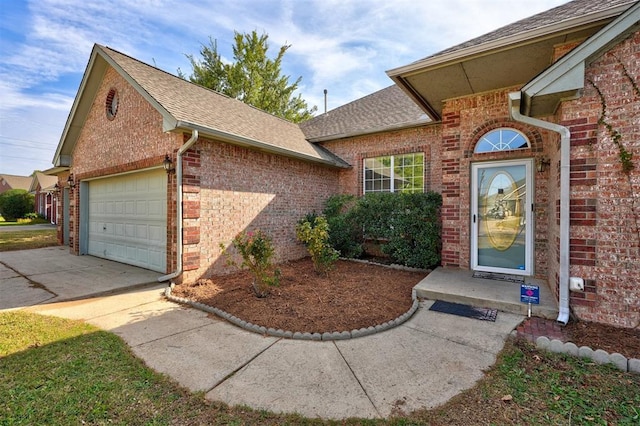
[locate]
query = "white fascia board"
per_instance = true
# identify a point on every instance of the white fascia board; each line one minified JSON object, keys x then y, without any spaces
{"x":568,"y":72}
{"x":372,"y":130}
{"x":261,"y":146}
{"x":57,"y":161}
{"x":166,"y":115}
{"x":505,"y":42}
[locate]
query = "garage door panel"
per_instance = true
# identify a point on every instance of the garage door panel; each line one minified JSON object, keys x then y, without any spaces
{"x":130,"y":208}
{"x":157,"y":234}
{"x":156,"y":207}
{"x":141,"y":208}
{"x":141,"y":232}
{"x":127,"y":219}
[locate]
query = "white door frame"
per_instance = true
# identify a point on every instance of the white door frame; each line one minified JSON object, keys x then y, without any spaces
{"x":529,"y":228}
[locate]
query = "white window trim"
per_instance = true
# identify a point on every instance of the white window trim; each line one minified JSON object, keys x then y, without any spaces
{"x":475,"y":148}
{"x":392,"y":168}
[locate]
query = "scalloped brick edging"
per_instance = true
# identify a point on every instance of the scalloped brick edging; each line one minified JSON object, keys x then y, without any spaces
{"x":598,"y":356}
{"x":327,"y":336}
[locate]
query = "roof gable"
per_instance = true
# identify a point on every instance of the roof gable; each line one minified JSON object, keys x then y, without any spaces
{"x":185,"y":107}
{"x":565,"y":78}
{"x":386,"y":109}
{"x":570,"y":13}
{"x":508,"y":56}
{"x":45,"y":182}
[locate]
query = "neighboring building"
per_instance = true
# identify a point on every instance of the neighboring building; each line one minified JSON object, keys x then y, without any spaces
{"x":507,"y":127}
{"x":8,"y":182}
{"x":45,"y":192}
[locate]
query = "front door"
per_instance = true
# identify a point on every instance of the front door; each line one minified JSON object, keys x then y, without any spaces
{"x":501,"y":217}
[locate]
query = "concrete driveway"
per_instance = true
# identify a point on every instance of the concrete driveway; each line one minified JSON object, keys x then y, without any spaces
{"x":420,"y":364}
{"x":52,"y":274}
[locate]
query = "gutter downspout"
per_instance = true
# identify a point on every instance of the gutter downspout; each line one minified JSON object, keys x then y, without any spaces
{"x":565,"y":160}
{"x":181,"y":151}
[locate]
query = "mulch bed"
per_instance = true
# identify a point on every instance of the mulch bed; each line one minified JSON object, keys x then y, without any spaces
{"x":354,"y":295}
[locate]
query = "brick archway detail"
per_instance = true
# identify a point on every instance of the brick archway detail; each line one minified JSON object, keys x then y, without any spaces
{"x":532,"y":134}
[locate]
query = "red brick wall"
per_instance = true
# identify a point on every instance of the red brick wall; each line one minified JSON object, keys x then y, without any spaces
{"x":464,"y":121}
{"x":62,"y":183}
{"x":229,"y":189}
{"x":354,"y":150}
{"x":605,"y":205}
{"x":133,"y":140}
{"x":448,"y":148}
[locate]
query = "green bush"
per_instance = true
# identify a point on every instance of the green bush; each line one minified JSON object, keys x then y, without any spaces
{"x":16,"y":203}
{"x":415,"y":238}
{"x":256,"y":250}
{"x":344,"y":234}
{"x":315,"y":236}
{"x":407,"y":225}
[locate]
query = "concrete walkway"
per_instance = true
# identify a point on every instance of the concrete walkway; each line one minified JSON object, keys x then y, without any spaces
{"x":422,"y":363}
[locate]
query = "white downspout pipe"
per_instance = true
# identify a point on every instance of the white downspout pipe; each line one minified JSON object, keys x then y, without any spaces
{"x":181,"y":151}
{"x":565,"y":160}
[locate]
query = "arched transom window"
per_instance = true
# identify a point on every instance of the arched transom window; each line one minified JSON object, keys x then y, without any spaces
{"x":502,"y":139}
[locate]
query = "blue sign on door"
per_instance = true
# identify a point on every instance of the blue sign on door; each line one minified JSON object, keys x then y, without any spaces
{"x":530,"y":294}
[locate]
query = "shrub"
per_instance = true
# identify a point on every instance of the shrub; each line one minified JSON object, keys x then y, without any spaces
{"x":15,"y":203}
{"x":256,"y":250}
{"x":415,"y":225}
{"x":315,"y":236}
{"x":344,"y":234}
{"x":407,"y":225}
{"x":33,"y":218}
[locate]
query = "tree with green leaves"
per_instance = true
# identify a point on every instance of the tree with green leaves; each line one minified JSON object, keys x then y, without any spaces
{"x":252,"y":78}
{"x":15,"y":204}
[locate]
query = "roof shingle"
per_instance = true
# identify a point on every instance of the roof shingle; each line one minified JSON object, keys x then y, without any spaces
{"x":549,"y":17}
{"x":385,"y":109}
{"x":191,"y":104}
{"x":17,"y":182}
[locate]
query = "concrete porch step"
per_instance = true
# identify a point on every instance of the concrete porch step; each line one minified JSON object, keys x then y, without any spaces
{"x":459,"y":286}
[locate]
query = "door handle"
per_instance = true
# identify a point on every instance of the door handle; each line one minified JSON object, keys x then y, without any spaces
{"x":474,"y":218}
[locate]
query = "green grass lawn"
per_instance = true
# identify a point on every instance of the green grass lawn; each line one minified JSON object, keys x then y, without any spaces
{"x":24,"y":240}
{"x":20,"y":222}
{"x":60,"y":372}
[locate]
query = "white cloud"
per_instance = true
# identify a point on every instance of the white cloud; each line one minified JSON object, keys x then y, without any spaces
{"x":344,"y":46}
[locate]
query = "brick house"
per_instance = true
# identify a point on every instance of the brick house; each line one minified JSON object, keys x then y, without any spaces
{"x":45,"y":193}
{"x":506,"y":126}
{"x":234,"y":168}
{"x":8,"y":182}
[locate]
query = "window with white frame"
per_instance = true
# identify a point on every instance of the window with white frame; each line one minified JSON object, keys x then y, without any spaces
{"x":394,"y":173}
{"x":502,"y":139}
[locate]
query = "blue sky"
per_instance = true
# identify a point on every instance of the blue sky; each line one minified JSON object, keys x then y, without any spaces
{"x":344,"y":46}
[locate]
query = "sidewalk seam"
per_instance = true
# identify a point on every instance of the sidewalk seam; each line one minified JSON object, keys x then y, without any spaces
{"x":32,"y":283}
{"x":228,"y":376}
{"x":358,"y":380}
{"x":168,"y":335}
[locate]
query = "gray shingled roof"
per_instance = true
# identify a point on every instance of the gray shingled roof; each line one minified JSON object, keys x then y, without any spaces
{"x":386,"y":109}
{"x":556,"y":15}
{"x":194,"y":106}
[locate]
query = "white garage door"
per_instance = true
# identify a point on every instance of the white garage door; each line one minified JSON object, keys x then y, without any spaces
{"x":128,"y":219}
